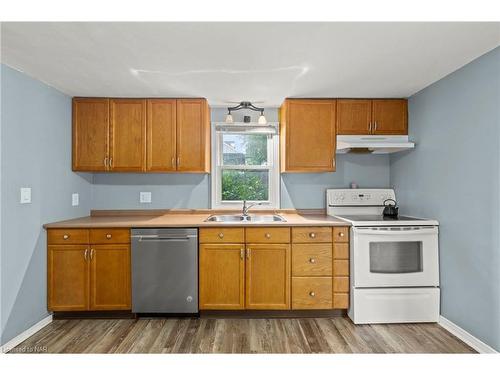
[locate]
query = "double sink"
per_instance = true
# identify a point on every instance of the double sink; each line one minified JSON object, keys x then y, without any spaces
{"x":245,"y":218}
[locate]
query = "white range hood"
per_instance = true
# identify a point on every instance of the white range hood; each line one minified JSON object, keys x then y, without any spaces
{"x":373,"y":144}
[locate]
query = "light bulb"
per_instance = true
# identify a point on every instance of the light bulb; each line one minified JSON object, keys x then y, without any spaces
{"x":262,"y":120}
{"x":229,"y":118}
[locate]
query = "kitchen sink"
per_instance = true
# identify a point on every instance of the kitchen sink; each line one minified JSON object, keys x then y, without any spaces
{"x":249,"y":218}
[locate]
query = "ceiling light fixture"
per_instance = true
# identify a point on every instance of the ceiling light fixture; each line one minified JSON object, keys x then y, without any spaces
{"x":246,"y":105}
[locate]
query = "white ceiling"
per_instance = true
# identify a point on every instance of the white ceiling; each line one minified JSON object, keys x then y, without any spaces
{"x":262,"y":62}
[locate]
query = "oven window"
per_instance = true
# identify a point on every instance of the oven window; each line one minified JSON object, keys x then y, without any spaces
{"x":395,"y":257}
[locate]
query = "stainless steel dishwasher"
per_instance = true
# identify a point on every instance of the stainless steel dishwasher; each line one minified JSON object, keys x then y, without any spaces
{"x":165,"y":270}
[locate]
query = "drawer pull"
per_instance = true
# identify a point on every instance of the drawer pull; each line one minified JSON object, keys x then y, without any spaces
{"x":341,"y":234}
{"x":66,"y":236}
{"x":268,"y":235}
{"x":108,"y":236}
{"x":221,"y":235}
{"x":312,"y":235}
{"x":85,"y":254}
{"x":312,"y":260}
{"x":312,"y":294}
{"x":242,"y":253}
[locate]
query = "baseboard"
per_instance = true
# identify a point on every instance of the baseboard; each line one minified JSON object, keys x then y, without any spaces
{"x":465,"y":336}
{"x":24,"y":335}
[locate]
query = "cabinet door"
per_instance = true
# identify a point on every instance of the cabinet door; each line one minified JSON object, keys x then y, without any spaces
{"x":110,"y":277}
{"x":354,"y":116}
{"x":128,"y":135}
{"x":161,"y":134}
{"x":390,"y":116}
{"x":68,"y":277}
{"x":222,"y":277}
{"x":193,"y":136}
{"x":268,"y":277}
{"x":308,"y":136}
{"x":90,"y":134}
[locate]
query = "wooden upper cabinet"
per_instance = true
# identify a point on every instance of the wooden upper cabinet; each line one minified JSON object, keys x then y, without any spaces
{"x":354,"y":116}
{"x":68,"y":277}
{"x":90,"y":134}
{"x":193,"y":136}
{"x":161,"y":135}
{"x":268,"y":276}
{"x":110,"y":277}
{"x":222,"y":277}
{"x":372,"y":116}
{"x":307,"y":135}
{"x":390,"y":116}
{"x":127,"y":135}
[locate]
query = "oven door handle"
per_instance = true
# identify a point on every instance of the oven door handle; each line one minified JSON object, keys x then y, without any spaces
{"x":392,"y":231}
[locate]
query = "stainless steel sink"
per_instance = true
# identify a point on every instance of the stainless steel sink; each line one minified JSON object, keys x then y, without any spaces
{"x":250,"y":218}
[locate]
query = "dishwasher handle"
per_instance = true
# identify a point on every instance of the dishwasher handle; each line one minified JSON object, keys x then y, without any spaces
{"x":159,"y":238}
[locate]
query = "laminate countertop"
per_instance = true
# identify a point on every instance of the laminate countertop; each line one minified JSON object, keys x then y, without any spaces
{"x":156,"y":219}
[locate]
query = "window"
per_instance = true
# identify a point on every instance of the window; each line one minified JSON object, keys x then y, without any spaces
{"x":245,"y":165}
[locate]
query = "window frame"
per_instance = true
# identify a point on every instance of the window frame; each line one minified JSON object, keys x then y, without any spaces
{"x":274,"y":168}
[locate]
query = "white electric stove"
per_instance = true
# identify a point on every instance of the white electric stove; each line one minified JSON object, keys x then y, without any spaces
{"x":394,"y":262}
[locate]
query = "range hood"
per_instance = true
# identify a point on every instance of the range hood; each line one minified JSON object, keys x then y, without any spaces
{"x":373,"y":144}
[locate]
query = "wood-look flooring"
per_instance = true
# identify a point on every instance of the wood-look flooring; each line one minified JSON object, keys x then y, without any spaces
{"x":238,"y":335}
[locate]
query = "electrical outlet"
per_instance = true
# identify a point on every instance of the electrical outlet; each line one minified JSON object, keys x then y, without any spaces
{"x":25,"y":195}
{"x":145,"y":197}
{"x":75,"y":199}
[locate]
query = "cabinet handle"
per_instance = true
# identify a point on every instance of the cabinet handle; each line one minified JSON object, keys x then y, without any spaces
{"x":173,"y":162}
{"x":312,"y":260}
{"x":369,"y":128}
{"x":242,"y":253}
{"x":178,"y":161}
{"x":110,"y":163}
{"x":65,"y":236}
{"x":312,"y":294}
{"x":108,"y":236}
{"x":85,"y":254}
{"x":268,"y":235}
{"x":248,"y":253}
{"x":375,"y":127}
{"x":221,"y":235}
{"x":341,"y":234}
{"x":106,"y":162}
{"x":91,"y":253}
{"x":312,"y":235}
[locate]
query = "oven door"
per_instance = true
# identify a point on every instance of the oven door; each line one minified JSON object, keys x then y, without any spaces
{"x":395,"y":257}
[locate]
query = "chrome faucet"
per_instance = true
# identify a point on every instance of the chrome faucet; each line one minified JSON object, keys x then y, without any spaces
{"x":247,"y":207}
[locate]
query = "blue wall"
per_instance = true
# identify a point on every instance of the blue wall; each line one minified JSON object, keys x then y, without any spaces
{"x":453,"y":175}
{"x":121,"y":191}
{"x":36,"y":153}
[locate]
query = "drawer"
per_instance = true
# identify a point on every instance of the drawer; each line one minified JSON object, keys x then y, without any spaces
{"x":340,"y":300}
{"x":109,"y":235}
{"x":312,"y":259}
{"x":267,"y":235}
{"x":222,"y":235}
{"x":311,"y":234}
{"x":341,"y":234}
{"x":341,"y":284}
{"x":67,"y":236}
{"x":340,"y":251}
{"x":341,"y":267}
{"x":311,"y":293}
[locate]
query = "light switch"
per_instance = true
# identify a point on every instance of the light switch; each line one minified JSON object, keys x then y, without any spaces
{"x":75,"y":199}
{"x":25,"y":195}
{"x":145,"y":197}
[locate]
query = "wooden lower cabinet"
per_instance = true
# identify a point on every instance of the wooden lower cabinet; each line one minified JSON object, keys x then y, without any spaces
{"x":311,"y":293}
{"x":222,"y":276}
{"x":268,"y":277}
{"x":110,"y":277}
{"x":67,"y":277}
{"x":86,"y":276}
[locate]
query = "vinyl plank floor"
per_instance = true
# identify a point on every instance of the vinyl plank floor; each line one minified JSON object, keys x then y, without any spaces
{"x":239,"y":335}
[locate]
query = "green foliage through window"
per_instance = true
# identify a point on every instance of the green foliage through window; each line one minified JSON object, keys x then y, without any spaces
{"x":245,"y":184}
